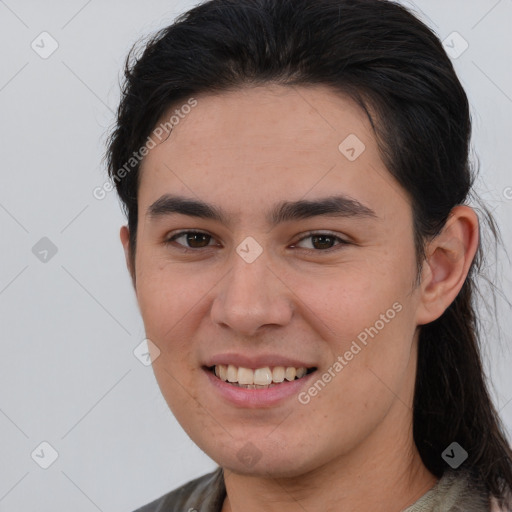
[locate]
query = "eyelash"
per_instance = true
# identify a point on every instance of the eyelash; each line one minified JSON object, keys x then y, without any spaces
{"x":310,"y":234}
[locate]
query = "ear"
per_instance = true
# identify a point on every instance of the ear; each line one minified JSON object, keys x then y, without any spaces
{"x":448,"y":260}
{"x":124,"y":234}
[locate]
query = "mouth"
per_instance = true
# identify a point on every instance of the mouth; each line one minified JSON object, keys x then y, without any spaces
{"x":258,"y":378}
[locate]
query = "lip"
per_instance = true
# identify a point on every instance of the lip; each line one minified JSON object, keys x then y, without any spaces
{"x":257,"y":398}
{"x":260,"y":361}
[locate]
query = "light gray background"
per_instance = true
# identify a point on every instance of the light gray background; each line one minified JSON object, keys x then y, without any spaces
{"x":68,"y":375}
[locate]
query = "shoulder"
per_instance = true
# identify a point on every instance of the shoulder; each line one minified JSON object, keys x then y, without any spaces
{"x":495,"y":507}
{"x":204,"y":493}
{"x":457,"y":491}
{"x":477,"y":496}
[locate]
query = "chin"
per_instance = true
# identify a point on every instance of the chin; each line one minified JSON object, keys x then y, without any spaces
{"x":264,"y":464}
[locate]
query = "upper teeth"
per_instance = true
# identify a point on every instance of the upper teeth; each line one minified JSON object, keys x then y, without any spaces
{"x":259,"y":376}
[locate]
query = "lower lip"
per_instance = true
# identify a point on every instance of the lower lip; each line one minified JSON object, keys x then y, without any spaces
{"x":254,"y":398}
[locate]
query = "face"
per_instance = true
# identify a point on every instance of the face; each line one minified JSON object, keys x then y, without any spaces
{"x":274,"y":244}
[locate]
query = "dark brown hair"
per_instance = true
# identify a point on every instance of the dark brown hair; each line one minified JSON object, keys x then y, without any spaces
{"x":396,"y":69}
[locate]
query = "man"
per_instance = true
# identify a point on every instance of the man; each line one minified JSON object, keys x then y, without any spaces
{"x":303,"y":258}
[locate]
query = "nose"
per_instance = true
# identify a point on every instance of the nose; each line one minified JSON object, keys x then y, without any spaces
{"x":250,"y":297}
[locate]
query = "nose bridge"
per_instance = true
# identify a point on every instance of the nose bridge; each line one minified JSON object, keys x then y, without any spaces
{"x":250,"y":295}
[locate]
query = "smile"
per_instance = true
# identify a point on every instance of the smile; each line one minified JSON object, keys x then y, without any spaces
{"x":259,"y":378}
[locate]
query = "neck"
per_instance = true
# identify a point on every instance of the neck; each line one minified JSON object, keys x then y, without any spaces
{"x":328,"y":491}
{"x":385,"y":473}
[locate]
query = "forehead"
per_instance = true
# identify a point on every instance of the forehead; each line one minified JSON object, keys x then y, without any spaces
{"x":277,"y":116}
{"x":263,"y":142}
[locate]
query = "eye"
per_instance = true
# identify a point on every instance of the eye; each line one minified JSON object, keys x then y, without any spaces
{"x":322,"y":241}
{"x":319,"y":242}
{"x":192,"y":239}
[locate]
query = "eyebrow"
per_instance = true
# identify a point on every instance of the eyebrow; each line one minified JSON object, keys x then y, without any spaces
{"x":332,"y":206}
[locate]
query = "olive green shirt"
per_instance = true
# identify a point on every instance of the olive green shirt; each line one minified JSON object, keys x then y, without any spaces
{"x":454,"y":492}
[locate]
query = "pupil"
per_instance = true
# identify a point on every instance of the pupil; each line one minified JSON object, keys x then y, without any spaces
{"x":196,"y":238}
{"x":322,"y":239}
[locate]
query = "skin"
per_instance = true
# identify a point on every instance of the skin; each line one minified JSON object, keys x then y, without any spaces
{"x":350,"y":447}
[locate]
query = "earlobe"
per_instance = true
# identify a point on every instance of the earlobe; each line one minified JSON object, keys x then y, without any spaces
{"x":124,"y":235}
{"x":448,"y":260}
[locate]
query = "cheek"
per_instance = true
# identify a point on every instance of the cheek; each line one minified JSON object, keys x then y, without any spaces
{"x":164,"y":296}
{"x":344,"y":302}
{"x":365,"y":315}
{"x":169,"y":311}
{"x":168,"y":308}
